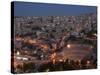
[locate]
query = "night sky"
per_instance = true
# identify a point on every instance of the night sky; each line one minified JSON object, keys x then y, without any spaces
{"x":42,"y":9}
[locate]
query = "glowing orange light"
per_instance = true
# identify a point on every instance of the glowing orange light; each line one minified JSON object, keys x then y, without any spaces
{"x":53,"y":58}
{"x":19,"y":38}
{"x":32,"y":41}
{"x":44,"y":47}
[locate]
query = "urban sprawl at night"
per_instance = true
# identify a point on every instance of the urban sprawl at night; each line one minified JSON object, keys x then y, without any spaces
{"x":54,"y":43}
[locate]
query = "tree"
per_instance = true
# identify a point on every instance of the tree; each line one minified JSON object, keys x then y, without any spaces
{"x":28,"y":67}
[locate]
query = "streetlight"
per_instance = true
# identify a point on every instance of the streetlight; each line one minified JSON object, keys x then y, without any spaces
{"x":88,"y":63}
{"x":18,"y":53}
{"x":68,"y":46}
{"x":61,"y":60}
{"x":95,"y":34}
